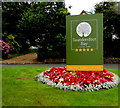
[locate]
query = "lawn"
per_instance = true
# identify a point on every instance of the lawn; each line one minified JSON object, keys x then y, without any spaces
{"x":21,"y":89}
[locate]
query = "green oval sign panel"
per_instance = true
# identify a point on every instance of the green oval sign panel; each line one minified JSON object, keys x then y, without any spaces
{"x":84,"y":42}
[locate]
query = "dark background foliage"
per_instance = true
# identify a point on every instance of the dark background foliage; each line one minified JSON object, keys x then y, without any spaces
{"x":43,"y":24}
{"x":111,"y":23}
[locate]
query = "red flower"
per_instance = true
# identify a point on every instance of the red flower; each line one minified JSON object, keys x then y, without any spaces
{"x":78,"y":77}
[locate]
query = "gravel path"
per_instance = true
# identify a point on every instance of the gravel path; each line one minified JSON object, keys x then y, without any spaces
{"x":23,"y":59}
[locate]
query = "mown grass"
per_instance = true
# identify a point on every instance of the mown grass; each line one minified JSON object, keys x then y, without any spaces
{"x":21,"y":89}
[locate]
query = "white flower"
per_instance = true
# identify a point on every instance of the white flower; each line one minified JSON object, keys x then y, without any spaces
{"x":46,"y":76}
{"x":61,"y":79}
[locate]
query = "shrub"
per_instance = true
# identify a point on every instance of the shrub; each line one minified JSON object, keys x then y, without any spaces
{"x":5,"y":49}
{"x":53,"y":48}
{"x":48,"y":54}
{"x":14,"y":45}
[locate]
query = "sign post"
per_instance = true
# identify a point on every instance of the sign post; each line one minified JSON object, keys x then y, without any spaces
{"x":84,"y":42}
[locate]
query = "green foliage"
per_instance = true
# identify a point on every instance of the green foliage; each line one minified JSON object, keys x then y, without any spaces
{"x":43,"y":21}
{"x":11,"y":14}
{"x":111,"y":23}
{"x":46,"y":28}
{"x":14,"y":45}
{"x":111,"y":18}
{"x":35,"y":23}
{"x":55,"y":48}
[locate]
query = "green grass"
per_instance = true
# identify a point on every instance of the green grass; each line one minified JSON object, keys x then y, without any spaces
{"x":21,"y":89}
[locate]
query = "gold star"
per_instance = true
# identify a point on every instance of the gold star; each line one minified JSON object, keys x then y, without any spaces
{"x":76,"y":49}
{"x":84,"y":49}
{"x":87,"y":49}
{"x":80,"y":49}
{"x":91,"y":49}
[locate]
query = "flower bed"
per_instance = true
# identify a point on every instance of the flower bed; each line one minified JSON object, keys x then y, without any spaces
{"x":78,"y":80}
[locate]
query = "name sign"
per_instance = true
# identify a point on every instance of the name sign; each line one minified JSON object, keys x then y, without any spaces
{"x":84,"y":42}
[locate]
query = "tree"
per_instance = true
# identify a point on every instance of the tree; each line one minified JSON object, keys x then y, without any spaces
{"x":44,"y":25}
{"x":111,"y":21}
{"x":38,"y":23}
{"x":11,"y":14}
